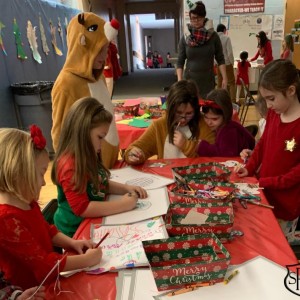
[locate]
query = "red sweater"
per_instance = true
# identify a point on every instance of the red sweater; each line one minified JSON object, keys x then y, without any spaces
{"x":265,"y":52}
{"x":280,"y":168}
{"x":26,"y":251}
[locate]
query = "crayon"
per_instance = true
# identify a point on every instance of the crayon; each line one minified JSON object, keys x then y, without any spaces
{"x":233,"y":274}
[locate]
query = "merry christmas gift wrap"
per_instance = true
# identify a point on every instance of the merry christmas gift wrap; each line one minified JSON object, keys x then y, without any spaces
{"x":211,"y":171}
{"x":184,"y":260}
{"x":202,"y":217}
{"x":200,"y":192}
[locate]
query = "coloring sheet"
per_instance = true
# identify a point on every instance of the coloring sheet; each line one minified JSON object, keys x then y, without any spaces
{"x":156,"y":204}
{"x":123,"y":247}
{"x":131,"y":176}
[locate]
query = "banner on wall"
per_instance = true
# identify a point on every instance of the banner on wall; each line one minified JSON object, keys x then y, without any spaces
{"x":243,"y":6}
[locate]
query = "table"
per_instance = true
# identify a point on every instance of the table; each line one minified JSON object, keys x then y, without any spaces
{"x":262,"y":236}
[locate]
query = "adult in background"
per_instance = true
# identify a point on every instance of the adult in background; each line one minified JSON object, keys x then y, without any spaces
{"x":229,"y":62}
{"x":198,"y":50}
{"x":264,"y":48}
{"x":82,"y":76}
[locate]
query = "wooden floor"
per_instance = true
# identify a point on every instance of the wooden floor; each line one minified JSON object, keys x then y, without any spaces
{"x":49,"y":192}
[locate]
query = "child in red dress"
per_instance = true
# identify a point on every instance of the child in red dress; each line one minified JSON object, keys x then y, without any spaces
{"x":26,"y":239}
{"x":278,"y":150}
{"x":242,"y":73}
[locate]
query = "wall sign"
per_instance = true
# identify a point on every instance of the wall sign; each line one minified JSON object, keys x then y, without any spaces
{"x":243,"y":6}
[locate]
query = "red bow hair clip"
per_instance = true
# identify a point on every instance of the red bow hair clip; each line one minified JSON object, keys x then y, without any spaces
{"x":209,"y":103}
{"x":37,"y":137}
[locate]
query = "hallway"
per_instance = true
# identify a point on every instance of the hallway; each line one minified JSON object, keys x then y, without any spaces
{"x":144,"y":83}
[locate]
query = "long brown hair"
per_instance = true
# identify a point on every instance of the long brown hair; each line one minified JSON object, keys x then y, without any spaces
{"x":183,"y":92}
{"x":75,"y":142}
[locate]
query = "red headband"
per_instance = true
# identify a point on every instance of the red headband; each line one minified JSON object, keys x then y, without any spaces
{"x":37,"y":137}
{"x":209,"y":103}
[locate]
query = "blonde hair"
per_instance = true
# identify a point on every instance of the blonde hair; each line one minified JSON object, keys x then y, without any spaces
{"x":75,"y":141}
{"x":18,"y":164}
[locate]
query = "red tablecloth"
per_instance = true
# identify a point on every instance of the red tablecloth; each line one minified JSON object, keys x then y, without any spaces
{"x":262,"y":236}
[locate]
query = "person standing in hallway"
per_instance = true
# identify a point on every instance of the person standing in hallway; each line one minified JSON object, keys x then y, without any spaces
{"x":229,"y":62}
{"x":199,"y":50}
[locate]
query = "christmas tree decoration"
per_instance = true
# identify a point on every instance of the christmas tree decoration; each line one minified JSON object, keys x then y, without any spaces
{"x":43,"y":38}
{"x":31,"y":36}
{"x":1,"y":40}
{"x":53,"y":35}
{"x":20,"y":51}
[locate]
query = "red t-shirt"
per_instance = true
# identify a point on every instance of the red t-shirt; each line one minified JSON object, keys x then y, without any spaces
{"x":26,"y":250}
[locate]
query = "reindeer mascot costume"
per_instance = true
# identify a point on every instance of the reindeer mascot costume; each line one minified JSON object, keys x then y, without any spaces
{"x":87,"y":36}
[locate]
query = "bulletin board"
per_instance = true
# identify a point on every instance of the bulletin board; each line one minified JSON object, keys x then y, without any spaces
{"x":243,"y":30}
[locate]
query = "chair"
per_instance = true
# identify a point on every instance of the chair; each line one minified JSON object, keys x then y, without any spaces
{"x":249,"y":100}
{"x":253,"y":129}
{"x":49,"y":211}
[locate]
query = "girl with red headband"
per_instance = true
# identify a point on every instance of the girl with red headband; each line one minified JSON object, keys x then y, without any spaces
{"x":231,"y":137}
{"x":26,"y":239}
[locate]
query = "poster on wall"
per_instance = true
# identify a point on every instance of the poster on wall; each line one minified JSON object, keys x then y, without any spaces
{"x":243,"y":6}
{"x":278,"y":30}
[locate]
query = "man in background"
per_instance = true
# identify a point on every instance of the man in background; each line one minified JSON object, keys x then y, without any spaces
{"x":229,"y":62}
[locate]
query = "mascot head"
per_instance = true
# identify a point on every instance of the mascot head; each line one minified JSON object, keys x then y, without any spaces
{"x":87,"y":36}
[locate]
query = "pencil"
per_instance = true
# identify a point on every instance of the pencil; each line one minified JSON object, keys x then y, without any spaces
{"x":177,"y":126}
{"x":99,"y":243}
{"x":260,"y":204}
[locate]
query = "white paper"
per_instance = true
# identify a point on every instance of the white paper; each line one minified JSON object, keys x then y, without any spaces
{"x":194,"y":217}
{"x":156,"y":204}
{"x":123,"y":247}
{"x":133,"y":177}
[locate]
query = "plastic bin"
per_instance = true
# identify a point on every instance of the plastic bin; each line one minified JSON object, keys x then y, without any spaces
{"x":33,"y":106}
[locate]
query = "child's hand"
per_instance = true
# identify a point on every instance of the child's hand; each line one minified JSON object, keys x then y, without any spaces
{"x":129,"y":201}
{"x":135,"y":189}
{"x":179,"y":139}
{"x":80,"y":246}
{"x":135,"y":156}
{"x":245,"y":154}
{"x":27,"y":294}
{"x":240,"y":171}
{"x":93,"y":256}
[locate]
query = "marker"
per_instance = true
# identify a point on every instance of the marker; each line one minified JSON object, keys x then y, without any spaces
{"x":177,"y":126}
{"x":260,"y":204}
{"x":99,"y":243}
{"x":226,"y":281}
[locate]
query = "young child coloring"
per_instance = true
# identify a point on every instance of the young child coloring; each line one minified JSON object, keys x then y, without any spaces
{"x":278,"y":150}
{"x":176,"y":134}
{"x":82,"y":181}
{"x":231,"y":137}
{"x":242,"y":73}
{"x":26,"y":239}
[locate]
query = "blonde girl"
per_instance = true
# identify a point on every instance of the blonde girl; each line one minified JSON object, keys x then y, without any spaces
{"x":26,"y":239}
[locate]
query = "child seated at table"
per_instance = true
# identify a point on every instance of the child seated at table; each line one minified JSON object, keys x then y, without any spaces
{"x":176,"y":134}
{"x":82,"y":180}
{"x":26,"y":239}
{"x":231,"y":137}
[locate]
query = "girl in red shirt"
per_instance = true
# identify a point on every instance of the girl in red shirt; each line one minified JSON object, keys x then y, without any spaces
{"x":287,"y":48}
{"x":278,"y":150}
{"x":264,"y":48}
{"x":242,"y":73}
{"x":26,"y":239}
